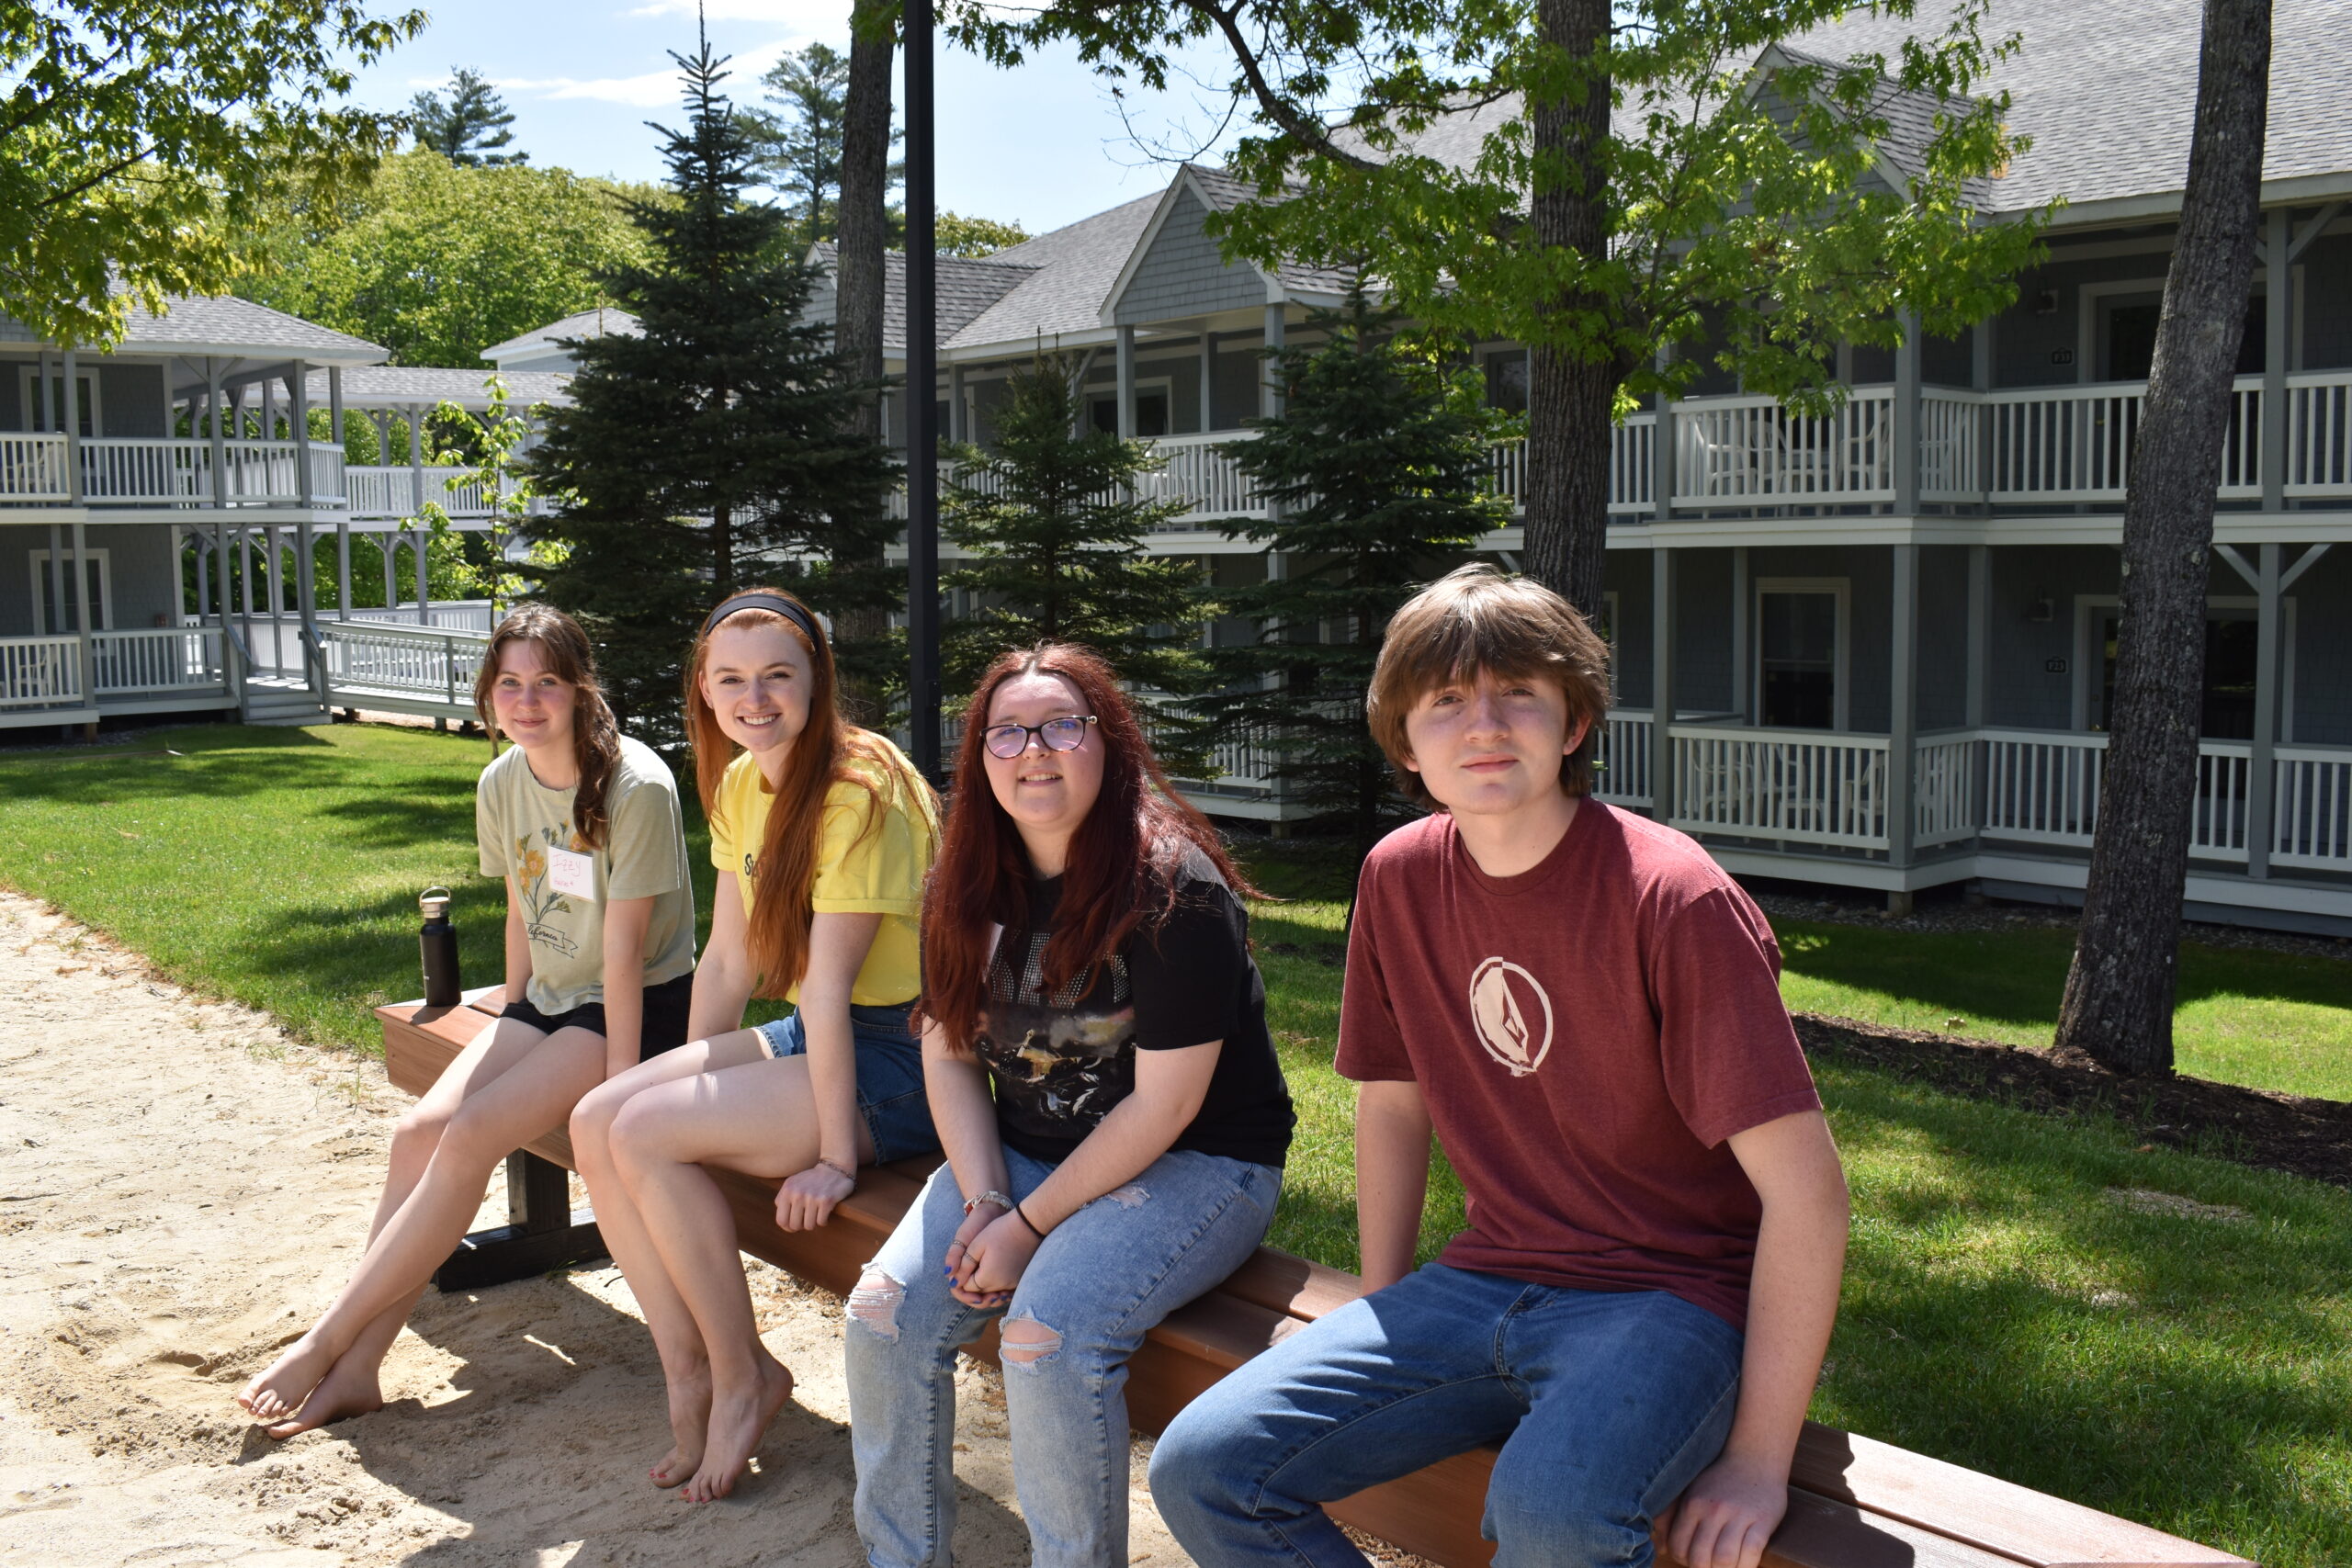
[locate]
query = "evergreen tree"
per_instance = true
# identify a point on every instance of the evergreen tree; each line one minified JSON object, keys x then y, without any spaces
{"x":1055,"y":523}
{"x":797,"y":143}
{"x":1376,"y":471}
{"x":469,"y":125}
{"x":712,"y":451}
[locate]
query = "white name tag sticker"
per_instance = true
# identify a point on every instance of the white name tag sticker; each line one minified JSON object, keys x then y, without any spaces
{"x":571,"y":874}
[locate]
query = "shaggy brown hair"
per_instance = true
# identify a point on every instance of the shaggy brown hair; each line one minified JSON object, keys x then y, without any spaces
{"x":1474,"y":619}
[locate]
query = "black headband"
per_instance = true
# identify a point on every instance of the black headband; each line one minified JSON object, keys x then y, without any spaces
{"x":776,"y":602}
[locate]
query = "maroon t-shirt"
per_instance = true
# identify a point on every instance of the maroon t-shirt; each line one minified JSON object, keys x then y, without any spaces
{"x":1586,"y":1035}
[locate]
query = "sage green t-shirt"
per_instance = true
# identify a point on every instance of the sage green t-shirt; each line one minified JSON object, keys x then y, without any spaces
{"x":524,"y":830}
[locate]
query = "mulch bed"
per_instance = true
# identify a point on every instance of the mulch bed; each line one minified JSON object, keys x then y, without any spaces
{"x":2268,"y":1130}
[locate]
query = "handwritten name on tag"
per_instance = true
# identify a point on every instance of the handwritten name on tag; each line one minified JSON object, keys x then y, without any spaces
{"x":571,"y":874}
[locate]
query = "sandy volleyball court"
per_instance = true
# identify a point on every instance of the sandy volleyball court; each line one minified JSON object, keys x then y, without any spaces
{"x":181,"y":1188}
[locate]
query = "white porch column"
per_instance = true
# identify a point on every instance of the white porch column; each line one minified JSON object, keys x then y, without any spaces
{"x":387,"y":544}
{"x":416,"y":461}
{"x":2279,"y":314}
{"x":334,"y":404}
{"x":958,"y":417}
{"x":73,"y":427}
{"x":343,"y":565}
{"x":1665,"y":573}
{"x":306,"y":563}
{"x":1269,"y":390}
{"x":1126,"y":373}
{"x":87,"y":603}
{"x":55,"y":623}
{"x":424,"y":577}
{"x":1903,"y":721}
{"x":1662,"y":444}
{"x":1208,"y":381}
{"x":215,"y":443}
{"x":2267,"y":629}
{"x":1740,"y":636}
{"x":1977,"y":702}
{"x":203,"y":572}
{"x":269,"y":410}
{"x":1907,"y":418}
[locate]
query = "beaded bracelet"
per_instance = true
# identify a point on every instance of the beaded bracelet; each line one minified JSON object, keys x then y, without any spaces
{"x":834,"y":1164}
{"x":990,"y":1196}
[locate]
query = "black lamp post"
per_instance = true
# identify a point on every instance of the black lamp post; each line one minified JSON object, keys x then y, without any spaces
{"x":923,"y":436}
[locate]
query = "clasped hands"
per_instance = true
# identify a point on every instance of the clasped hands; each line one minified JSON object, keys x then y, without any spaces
{"x":985,"y":1260}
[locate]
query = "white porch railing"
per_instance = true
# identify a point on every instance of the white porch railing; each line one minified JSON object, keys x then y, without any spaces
{"x":168,"y":660}
{"x":2319,"y":433}
{"x":40,"y":670}
{"x":178,"y":471}
{"x":1751,"y":447}
{"x":1200,"y":469}
{"x":2312,"y":810}
{"x":32,"y":468}
{"x":380,"y":491}
{"x":1621,"y":761}
{"x":2069,"y":443}
{"x":1798,"y":787}
{"x":2042,"y":787}
{"x":413,"y":662}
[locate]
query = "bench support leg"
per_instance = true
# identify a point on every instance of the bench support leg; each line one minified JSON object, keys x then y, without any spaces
{"x":542,"y":1232}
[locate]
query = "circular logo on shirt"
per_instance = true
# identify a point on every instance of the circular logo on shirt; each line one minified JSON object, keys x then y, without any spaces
{"x":1512,"y":1015}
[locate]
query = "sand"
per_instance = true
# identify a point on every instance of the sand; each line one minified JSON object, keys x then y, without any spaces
{"x":181,"y":1189}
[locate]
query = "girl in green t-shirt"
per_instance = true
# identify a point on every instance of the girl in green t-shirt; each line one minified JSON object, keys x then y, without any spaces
{"x":582,"y":823}
{"x":822,"y":832}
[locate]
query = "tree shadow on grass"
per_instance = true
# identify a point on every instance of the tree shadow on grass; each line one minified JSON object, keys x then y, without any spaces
{"x":2020,"y":976}
{"x":2005,"y":1311}
{"x":216,"y":774}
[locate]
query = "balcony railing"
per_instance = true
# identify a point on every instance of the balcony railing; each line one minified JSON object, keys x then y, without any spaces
{"x":2017,"y":446}
{"x":169,"y":471}
{"x":2025,"y":786}
{"x":46,"y":671}
{"x":391,"y":492}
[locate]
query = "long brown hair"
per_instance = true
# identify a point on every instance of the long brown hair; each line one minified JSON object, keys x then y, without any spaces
{"x":776,"y":936}
{"x":1122,"y":859}
{"x":596,"y":737}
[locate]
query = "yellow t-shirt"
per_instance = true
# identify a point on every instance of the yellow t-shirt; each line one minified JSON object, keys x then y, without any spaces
{"x":875,"y":851}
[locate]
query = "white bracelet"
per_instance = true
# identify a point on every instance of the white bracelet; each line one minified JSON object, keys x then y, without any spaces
{"x":990,"y":1196}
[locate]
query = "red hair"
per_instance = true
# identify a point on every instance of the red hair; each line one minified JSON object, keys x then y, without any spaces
{"x":776,"y":937}
{"x":1122,"y":859}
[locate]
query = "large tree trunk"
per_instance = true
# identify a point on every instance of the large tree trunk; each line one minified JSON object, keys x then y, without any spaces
{"x":864,"y":226}
{"x":1569,"y":399}
{"x":2120,"y":991}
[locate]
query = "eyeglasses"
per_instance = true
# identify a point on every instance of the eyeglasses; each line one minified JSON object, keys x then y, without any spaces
{"x":1008,"y":741}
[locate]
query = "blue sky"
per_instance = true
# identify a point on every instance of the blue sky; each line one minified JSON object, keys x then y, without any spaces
{"x":1042,"y":146}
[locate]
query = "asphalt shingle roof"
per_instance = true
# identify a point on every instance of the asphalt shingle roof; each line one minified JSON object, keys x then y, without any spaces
{"x":964,"y":287}
{"x":601,"y":322}
{"x":226,"y":323}
{"x":1075,"y":265}
{"x":378,"y":386}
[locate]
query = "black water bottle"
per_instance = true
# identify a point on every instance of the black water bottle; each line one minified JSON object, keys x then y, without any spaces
{"x":437,"y":944}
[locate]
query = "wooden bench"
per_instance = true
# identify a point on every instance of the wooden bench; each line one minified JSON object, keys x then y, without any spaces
{"x":1853,"y":1503}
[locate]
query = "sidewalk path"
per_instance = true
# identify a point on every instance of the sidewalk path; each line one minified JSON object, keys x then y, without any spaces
{"x":181,"y":1188}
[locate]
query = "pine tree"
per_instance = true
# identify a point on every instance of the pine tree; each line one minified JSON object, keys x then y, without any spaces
{"x":712,"y":451}
{"x":798,"y":142}
{"x":1376,"y":471}
{"x":1054,"y":522}
{"x":469,"y":127}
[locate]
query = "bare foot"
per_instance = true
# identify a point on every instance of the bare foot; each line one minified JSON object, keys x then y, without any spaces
{"x":347,"y":1391}
{"x":737,"y":1424}
{"x":689,"y":1423}
{"x":276,"y":1393}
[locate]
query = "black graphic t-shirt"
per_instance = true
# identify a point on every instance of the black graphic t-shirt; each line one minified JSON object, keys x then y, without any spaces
{"x":1060,"y":1060}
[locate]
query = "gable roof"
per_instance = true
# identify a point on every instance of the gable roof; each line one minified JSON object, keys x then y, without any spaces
{"x":2108,"y":91}
{"x":1075,"y":267}
{"x":962,"y":287}
{"x":604,"y":321}
{"x":224,"y":325}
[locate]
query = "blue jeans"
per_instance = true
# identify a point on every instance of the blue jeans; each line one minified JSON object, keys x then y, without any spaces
{"x":1607,"y":1405}
{"x":889,"y":1076}
{"x":1105,"y":1275}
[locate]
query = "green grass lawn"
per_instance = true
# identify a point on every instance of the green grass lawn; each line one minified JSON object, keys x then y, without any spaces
{"x":2004,"y":1309}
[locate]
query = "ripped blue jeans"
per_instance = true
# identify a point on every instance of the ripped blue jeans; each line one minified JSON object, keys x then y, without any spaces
{"x":1105,"y":1276}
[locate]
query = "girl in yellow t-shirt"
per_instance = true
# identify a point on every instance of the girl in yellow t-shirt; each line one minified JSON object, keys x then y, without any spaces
{"x":823,"y":833}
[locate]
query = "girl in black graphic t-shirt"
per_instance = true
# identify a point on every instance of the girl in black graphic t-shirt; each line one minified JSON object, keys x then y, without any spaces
{"x":1100,"y":1073}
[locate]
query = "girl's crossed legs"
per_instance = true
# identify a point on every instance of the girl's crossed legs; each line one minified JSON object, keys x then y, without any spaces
{"x":510,"y":1086}
{"x":641,"y":1140}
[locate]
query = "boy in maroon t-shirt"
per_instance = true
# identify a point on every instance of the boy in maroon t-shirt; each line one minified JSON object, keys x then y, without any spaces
{"x":1586,"y":1012}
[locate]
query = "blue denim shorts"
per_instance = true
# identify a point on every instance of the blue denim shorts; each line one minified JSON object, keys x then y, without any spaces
{"x":889,"y":1077}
